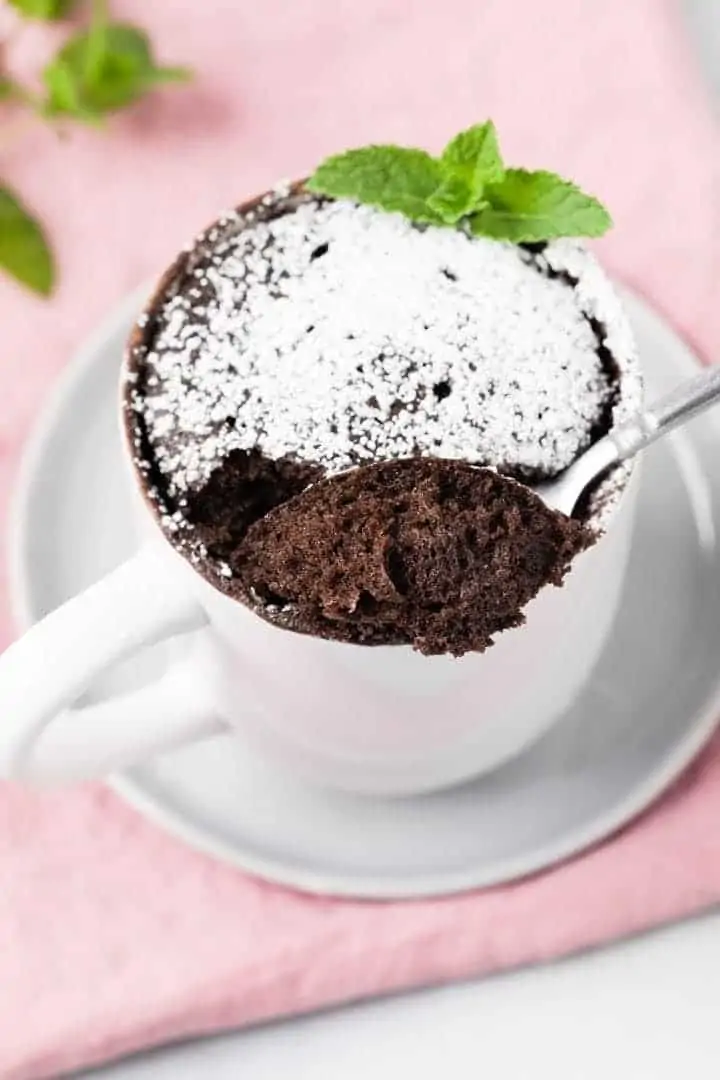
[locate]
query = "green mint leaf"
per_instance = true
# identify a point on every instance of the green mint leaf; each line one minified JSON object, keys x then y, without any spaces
{"x":529,"y":206}
{"x":24,"y":252}
{"x":95,"y":47}
{"x":43,"y":9}
{"x":392,"y":178}
{"x":474,"y":156}
{"x":65,"y":95}
{"x":102,"y":70}
{"x":454,"y":199}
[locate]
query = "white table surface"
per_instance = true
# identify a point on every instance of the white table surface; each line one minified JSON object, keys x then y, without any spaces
{"x":644,"y":1009}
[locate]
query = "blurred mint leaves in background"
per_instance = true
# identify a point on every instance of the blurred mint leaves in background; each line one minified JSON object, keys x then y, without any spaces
{"x":43,"y":9}
{"x":24,"y":251}
{"x":468,"y":187}
{"x":101,"y":68}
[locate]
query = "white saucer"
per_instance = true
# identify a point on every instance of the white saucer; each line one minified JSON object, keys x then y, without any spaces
{"x":652,"y":703}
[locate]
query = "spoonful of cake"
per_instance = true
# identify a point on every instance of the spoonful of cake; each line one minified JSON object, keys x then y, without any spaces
{"x":680,"y":405}
{"x":438,"y":554}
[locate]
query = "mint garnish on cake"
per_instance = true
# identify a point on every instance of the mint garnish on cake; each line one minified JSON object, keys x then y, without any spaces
{"x":467,"y":187}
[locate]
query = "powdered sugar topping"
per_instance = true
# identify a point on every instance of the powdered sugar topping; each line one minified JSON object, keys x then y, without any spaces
{"x":339,"y":334}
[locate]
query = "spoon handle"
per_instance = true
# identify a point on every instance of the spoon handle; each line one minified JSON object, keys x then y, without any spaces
{"x":690,"y":397}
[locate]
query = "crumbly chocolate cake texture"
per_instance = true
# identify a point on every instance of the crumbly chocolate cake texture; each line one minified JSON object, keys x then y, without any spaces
{"x":301,"y":342}
{"x":437,"y":554}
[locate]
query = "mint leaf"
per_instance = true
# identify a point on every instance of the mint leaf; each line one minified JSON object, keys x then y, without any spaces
{"x":102,"y":70}
{"x":529,"y":206}
{"x":95,"y":47}
{"x":24,"y":252}
{"x":65,"y":94}
{"x":43,"y":9}
{"x":454,"y":199}
{"x":474,"y":156}
{"x":392,"y":178}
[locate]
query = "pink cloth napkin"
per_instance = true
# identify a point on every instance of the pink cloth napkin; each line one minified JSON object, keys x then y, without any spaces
{"x":114,"y":936}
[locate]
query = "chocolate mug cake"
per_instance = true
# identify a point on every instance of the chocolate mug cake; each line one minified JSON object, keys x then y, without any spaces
{"x":338,"y":414}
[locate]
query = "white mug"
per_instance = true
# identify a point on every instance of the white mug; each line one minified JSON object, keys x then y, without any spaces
{"x":379,"y":719}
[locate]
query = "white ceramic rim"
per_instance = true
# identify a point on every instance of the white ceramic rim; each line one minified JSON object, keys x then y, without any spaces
{"x":386,"y":888}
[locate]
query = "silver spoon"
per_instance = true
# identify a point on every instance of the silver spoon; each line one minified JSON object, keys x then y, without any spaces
{"x":681,"y":404}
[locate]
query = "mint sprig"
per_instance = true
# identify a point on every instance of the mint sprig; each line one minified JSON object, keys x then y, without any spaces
{"x":467,"y":187}
{"x":101,"y":68}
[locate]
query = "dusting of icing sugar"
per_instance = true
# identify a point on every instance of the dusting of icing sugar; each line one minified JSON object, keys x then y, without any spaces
{"x":339,"y":334}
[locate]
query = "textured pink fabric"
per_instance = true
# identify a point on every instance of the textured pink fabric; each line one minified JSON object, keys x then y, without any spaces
{"x":114,"y":936}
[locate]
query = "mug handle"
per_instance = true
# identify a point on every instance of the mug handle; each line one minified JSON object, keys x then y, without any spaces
{"x":43,"y":738}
